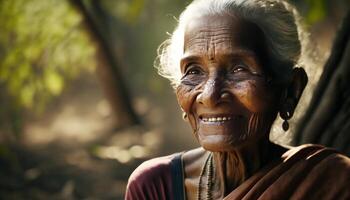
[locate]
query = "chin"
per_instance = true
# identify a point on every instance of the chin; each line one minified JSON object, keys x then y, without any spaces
{"x":220,"y":143}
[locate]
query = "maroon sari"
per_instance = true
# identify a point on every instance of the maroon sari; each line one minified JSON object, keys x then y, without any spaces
{"x":305,"y":172}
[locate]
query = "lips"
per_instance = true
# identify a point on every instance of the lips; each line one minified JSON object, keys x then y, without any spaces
{"x":221,"y":128}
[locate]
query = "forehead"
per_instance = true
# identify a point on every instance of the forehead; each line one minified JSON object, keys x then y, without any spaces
{"x":212,"y":34}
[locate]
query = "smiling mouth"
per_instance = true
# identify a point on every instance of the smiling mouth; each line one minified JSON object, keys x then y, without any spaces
{"x":216,"y":119}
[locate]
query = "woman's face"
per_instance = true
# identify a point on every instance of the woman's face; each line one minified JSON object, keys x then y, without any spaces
{"x":224,"y":89}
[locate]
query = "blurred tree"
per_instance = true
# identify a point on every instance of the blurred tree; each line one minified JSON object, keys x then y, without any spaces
{"x":315,"y":11}
{"x":95,"y":19}
{"x":132,"y":31}
{"x":327,"y":119}
{"x":41,"y":46}
{"x":138,"y":28}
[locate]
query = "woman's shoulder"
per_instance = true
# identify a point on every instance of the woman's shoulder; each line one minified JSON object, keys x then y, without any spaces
{"x":304,"y":172}
{"x":152,"y":168}
{"x":321,"y":171}
{"x":318,"y":155}
{"x":310,"y":149}
{"x":314,"y":155}
{"x":155,"y":167}
{"x":154,"y":178}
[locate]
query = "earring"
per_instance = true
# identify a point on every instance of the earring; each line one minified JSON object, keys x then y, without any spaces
{"x":287,"y":112}
{"x":285,"y":124}
{"x":184,"y":116}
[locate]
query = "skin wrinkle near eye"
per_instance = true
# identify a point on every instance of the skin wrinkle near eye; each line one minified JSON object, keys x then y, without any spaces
{"x":241,"y":54}
{"x":194,"y":65}
{"x":193,"y":90}
{"x":193,"y":79}
{"x":191,"y":82}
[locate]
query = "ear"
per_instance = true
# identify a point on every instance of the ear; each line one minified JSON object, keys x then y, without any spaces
{"x":293,"y":93}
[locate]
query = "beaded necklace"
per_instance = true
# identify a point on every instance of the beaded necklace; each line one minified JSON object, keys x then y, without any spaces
{"x":208,"y":165}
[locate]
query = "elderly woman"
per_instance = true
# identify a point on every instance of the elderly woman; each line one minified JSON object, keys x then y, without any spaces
{"x":234,"y":66}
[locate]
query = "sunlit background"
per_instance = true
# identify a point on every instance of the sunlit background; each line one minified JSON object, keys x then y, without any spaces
{"x":80,"y":103}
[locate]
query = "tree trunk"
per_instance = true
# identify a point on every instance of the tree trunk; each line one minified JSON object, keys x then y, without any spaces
{"x":327,"y":120}
{"x":107,"y":69}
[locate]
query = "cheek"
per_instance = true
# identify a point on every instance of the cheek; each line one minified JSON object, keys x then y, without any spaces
{"x":185,"y":96}
{"x":255,"y":96}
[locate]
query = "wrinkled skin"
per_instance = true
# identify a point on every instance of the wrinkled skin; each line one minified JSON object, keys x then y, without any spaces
{"x":226,"y":55}
{"x":225,"y":77}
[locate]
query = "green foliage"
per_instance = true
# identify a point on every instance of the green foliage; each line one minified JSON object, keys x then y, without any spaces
{"x":128,"y":11}
{"x":139,"y":27}
{"x":42,"y":45}
{"x":314,"y":11}
{"x":317,"y":11}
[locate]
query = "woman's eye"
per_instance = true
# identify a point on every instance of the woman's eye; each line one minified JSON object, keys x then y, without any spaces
{"x":239,"y":68}
{"x":194,"y":70}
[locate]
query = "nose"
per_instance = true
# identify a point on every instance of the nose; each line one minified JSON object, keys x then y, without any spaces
{"x":212,"y":93}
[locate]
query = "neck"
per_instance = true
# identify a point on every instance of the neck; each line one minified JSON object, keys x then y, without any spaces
{"x":234,"y":167}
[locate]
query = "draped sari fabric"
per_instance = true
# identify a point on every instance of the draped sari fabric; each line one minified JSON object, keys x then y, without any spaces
{"x":306,"y":172}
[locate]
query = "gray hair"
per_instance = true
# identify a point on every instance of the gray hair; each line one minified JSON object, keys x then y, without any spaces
{"x":278,"y":20}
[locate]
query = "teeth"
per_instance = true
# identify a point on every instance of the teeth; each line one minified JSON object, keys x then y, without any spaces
{"x":216,"y":119}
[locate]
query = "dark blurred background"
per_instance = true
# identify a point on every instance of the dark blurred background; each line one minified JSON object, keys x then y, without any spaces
{"x":81,"y":104}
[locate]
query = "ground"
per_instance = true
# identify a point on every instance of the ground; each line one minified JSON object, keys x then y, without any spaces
{"x":74,"y":150}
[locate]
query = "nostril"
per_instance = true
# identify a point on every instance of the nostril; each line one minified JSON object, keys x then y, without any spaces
{"x":199,"y":98}
{"x":210,"y":94}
